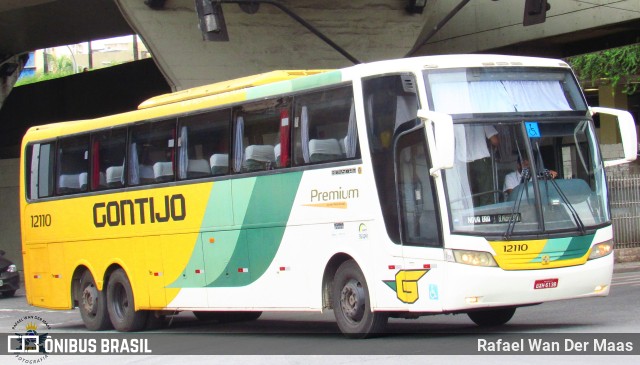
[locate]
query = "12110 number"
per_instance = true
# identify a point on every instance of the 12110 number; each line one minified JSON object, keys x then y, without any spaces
{"x":516,"y":248}
{"x":40,"y":220}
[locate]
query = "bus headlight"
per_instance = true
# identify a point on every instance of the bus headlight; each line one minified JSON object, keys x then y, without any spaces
{"x":474,"y":258}
{"x":601,"y":249}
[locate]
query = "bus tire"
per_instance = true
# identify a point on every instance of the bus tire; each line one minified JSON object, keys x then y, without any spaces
{"x":227,"y":317}
{"x":121,"y":305}
{"x":92,"y":304}
{"x":351,"y":303}
{"x":492,"y":317}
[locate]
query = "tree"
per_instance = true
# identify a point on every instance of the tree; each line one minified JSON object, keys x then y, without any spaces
{"x":63,"y":64}
{"x":615,"y":66}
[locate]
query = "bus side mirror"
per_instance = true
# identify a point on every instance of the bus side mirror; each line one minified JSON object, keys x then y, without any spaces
{"x":627,"y":133}
{"x":439,"y":133}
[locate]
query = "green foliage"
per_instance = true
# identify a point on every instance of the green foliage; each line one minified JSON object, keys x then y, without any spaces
{"x":42,"y":77}
{"x":61,"y":66}
{"x":616,"y":66}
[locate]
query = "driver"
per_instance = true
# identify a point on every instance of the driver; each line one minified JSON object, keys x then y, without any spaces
{"x":514,"y":178}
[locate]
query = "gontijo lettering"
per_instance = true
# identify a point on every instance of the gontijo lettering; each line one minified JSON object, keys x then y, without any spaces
{"x":139,"y":211}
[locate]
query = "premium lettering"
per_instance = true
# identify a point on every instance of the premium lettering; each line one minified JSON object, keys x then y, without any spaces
{"x":340,"y":194}
{"x":140,"y":211}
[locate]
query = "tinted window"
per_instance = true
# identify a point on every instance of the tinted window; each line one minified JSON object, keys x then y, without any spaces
{"x":203,"y":145}
{"x":152,"y":153}
{"x":108,"y":152}
{"x":416,"y":191}
{"x":72,"y":164}
{"x":261,"y":136}
{"x":325,"y":128}
{"x":40,"y":162}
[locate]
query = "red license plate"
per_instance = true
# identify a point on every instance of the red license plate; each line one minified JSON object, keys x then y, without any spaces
{"x":545,"y":284}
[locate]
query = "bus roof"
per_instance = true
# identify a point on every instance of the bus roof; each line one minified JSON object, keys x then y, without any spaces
{"x":272,"y":83}
{"x":226,"y":86}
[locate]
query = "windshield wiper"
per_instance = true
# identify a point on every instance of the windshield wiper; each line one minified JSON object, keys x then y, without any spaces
{"x":546,"y":175}
{"x":515,"y":210}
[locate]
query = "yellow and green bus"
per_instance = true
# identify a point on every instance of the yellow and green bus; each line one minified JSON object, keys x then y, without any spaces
{"x":376,"y":191}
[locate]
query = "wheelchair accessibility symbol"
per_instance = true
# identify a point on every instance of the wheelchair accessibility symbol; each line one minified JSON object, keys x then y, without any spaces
{"x":433,"y":292}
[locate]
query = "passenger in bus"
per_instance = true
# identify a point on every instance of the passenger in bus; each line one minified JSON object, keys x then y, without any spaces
{"x":478,"y":159}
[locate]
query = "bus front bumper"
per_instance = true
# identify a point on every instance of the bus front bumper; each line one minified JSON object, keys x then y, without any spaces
{"x":470,"y":287}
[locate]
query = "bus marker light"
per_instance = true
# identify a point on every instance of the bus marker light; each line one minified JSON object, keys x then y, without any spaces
{"x":284,"y":268}
{"x":157,"y":274}
{"x":212,"y":240}
{"x":426,"y":266}
{"x":56,"y":276}
{"x":198,"y":271}
{"x":243,"y":269}
{"x":36,"y":276}
{"x":600,"y":288}
{"x":472,"y":300}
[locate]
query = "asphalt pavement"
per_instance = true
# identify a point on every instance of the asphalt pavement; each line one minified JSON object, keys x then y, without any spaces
{"x":626,"y":266}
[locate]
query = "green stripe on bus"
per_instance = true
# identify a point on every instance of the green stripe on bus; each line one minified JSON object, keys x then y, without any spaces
{"x":303,"y":83}
{"x":323,"y":79}
{"x":567,"y":248}
{"x":262,"y":205}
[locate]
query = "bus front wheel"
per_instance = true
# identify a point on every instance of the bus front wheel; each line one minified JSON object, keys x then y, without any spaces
{"x":121,"y":306}
{"x":351,"y":303}
{"x":492,"y":317}
{"x":92,"y":304}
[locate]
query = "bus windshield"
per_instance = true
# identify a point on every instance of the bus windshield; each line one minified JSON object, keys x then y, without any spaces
{"x":503,"y":90}
{"x":526,"y":161}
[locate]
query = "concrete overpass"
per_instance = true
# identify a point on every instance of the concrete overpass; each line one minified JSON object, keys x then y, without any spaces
{"x":261,"y":36}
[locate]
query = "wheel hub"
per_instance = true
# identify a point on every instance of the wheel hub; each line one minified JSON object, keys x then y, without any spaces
{"x":352,"y":300}
{"x":89,"y":299}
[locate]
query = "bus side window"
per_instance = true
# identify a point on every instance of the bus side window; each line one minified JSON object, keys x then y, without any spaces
{"x":108,"y":151}
{"x":152,"y":153}
{"x":72,"y":165}
{"x":203,"y":144}
{"x":40,"y":161}
{"x":324,"y":127}
{"x":261,"y":136}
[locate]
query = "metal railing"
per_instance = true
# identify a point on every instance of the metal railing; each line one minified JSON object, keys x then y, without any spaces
{"x":624,"y":196}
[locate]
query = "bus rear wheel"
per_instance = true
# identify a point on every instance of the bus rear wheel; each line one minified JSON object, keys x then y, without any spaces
{"x":92,"y":304}
{"x":121,"y":305}
{"x":351,"y":303}
{"x":227,"y":317}
{"x":492,"y":317}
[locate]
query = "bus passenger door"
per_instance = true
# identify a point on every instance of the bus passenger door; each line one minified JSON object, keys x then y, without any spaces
{"x":419,"y":223}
